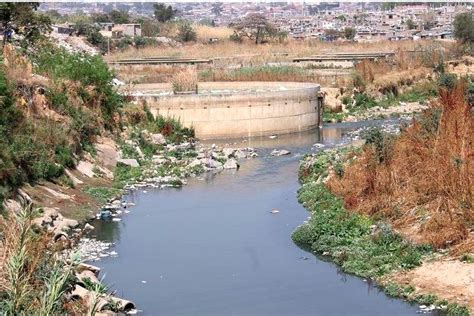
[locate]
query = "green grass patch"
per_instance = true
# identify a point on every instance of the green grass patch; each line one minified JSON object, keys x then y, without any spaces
{"x":103,"y":194}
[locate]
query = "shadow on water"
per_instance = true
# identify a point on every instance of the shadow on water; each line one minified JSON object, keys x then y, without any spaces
{"x":214,"y":248}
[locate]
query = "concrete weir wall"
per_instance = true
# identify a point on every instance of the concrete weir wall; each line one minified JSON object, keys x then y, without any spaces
{"x":238,"y":109}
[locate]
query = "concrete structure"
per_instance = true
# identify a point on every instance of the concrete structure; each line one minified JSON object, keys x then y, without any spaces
{"x":238,"y":109}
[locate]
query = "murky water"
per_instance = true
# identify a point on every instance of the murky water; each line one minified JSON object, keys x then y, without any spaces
{"x":213,"y":247}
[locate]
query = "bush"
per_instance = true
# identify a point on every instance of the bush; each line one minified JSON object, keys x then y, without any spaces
{"x":91,"y":72}
{"x":186,"y":32}
{"x":447,"y":80}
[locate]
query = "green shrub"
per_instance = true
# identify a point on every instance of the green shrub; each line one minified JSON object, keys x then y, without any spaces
{"x":345,"y":236}
{"x":90,"y":71}
{"x":447,"y":80}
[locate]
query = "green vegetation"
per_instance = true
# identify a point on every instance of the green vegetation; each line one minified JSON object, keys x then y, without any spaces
{"x":186,"y":32}
{"x":359,"y":244}
{"x":33,"y":283}
{"x":89,"y":71}
{"x":102,"y":194}
{"x":33,"y":148}
{"x":464,"y":27}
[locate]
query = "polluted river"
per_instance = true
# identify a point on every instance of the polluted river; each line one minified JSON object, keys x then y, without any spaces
{"x":214,"y":246}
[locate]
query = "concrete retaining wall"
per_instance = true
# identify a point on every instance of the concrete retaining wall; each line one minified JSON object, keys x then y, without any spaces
{"x":258,"y":109}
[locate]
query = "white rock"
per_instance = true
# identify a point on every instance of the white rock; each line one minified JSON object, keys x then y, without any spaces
{"x":158,"y":139}
{"x":196,"y":162}
{"x":239,"y":154}
{"x":88,"y":226}
{"x":281,"y":152}
{"x":129,"y":162}
{"x":231,"y":164}
{"x":227,"y":152}
{"x":211,"y":163}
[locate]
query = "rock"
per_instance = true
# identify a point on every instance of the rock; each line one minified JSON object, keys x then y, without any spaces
{"x":231,"y":164}
{"x":129,"y":162}
{"x":117,"y":82}
{"x":318,"y":145}
{"x":158,"y":139}
{"x":196,"y":162}
{"x":239,"y":154}
{"x":88,"y":226}
{"x":74,"y":180}
{"x":184,"y":146}
{"x":273,"y":136}
{"x":227,"y":152}
{"x":12,"y":206}
{"x":85,"y":167}
{"x":211,"y":163}
{"x":107,"y":153}
{"x":281,"y":152}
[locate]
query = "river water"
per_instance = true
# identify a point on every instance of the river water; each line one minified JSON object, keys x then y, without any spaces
{"x":213,"y":247}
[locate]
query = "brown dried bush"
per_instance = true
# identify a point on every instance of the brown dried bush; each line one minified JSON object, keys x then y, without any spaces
{"x":425,"y":184}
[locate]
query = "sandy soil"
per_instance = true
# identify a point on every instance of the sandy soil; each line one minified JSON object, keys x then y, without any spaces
{"x":449,"y":279}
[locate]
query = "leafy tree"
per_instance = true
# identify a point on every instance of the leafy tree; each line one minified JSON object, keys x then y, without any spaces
{"x":163,"y":13}
{"x":254,"y":26}
{"x":24,"y":20}
{"x":101,"y":18}
{"x":411,"y":25}
{"x":464,"y":27}
{"x":186,"y":32}
{"x":350,"y":33}
{"x":119,"y":17}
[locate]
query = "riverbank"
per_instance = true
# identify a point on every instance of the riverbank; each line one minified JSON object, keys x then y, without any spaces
{"x":361,"y":245}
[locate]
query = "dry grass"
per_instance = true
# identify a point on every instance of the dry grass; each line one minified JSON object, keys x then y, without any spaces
{"x":205,"y":32}
{"x":424,"y":183}
{"x":294,"y":48}
{"x":185,"y":81}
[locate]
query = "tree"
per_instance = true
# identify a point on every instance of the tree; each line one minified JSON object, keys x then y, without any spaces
{"x":350,"y":33}
{"x":119,"y":17}
{"x":163,"y":13}
{"x":101,"y":18}
{"x":411,"y":25}
{"x":464,"y":27}
{"x":24,"y":20}
{"x":186,"y":32}
{"x":254,"y":26}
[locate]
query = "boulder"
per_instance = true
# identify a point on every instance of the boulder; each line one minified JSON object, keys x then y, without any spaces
{"x":86,"y":167}
{"x":211,"y":163}
{"x":129,"y":162}
{"x":280,"y":152}
{"x":12,"y":206}
{"x":227,"y":152}
{"x":239,"y":154}
{"x":196,"y":162}
{"x":231,"y":164}
{"x":158,"y":139}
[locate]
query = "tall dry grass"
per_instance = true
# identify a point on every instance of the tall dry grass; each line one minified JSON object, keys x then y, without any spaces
{"x":185,"y":81}
{"x":206,"y":32}
{"x":294,"y":48}
{"x":32,"y":279}
{"x":425,"y":182}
